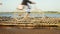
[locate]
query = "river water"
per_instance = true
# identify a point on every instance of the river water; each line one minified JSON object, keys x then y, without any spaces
{"x":31,"y":15}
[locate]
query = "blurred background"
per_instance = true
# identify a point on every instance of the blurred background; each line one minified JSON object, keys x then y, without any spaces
{"x":44,"y":5}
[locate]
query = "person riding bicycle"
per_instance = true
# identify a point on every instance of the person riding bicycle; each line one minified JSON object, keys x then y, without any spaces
{"x":24,"y":4}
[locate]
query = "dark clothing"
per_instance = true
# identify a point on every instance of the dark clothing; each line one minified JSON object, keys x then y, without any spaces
{"x":25,"y":2}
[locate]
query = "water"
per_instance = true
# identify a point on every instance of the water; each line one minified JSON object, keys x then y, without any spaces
{"x":32,"y":15}
{"x":48,"y":15}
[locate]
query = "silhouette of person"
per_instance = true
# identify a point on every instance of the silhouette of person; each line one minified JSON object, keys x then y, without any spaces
{"x":24,"y":4}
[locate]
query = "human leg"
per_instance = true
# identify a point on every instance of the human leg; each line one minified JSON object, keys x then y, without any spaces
{"x":27,"y":12}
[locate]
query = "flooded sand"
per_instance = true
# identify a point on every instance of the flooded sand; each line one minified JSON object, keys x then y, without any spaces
{"x":16,"y":30}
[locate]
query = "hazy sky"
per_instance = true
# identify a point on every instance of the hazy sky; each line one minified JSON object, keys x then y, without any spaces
{"x":45,"y":5}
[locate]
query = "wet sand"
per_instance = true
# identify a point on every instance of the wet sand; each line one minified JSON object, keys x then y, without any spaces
{"x":16,"y":30}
